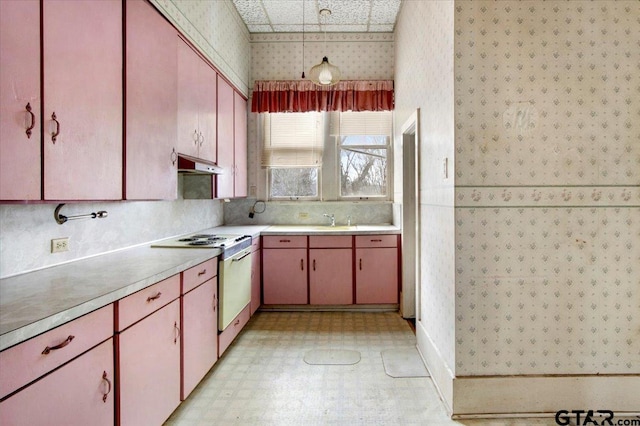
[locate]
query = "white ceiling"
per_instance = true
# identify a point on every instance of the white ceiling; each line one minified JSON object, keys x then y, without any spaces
{"x":268,"y":16}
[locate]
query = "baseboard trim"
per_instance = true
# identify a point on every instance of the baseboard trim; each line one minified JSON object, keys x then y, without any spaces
{"x":532,"y":396}
{"x":440,"y":373}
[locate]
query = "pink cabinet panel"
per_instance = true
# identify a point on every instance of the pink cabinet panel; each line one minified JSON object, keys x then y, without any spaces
{"x":152,"y":104}
{"x":20,"y":86}
{"x":376,"y":240}
{"x":78,"y":394}
{"x":330,"y":277}
{"x":330,"y":241}
{"x":82,"y":62}
{"x":229,"y":334}
{"x":196,"y":104}
{"x":149,"y":368}
{"x":193,"y":277}
{"x":188,"y":93}
{"x":284,"y":241}
{"x":199,"y":334}
{"x":377,"y":275}
{"x":255,"y":280}
{"x":284,"y":276}
{"x":225,"y":139}
{"x":240,"y":144}
{"x":29,"y":360}
{"x":142,"y":303}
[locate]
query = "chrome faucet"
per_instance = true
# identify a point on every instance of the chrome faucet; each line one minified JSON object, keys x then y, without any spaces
{"x":332,"y":217}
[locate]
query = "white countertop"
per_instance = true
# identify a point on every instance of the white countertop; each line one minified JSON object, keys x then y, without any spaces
{"x":38,"y":301}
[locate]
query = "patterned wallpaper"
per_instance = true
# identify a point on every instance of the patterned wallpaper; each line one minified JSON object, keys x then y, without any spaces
{"x":424,"y":79}
{"x":547,"y":168}
{"x":216,"y":28}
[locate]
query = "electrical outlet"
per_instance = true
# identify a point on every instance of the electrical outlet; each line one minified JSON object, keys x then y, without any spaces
{"x":303,"y":215}
{"x":59,"y":245}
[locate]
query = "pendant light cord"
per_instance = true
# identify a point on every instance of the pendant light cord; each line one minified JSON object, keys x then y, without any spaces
{"x":303,"y":39}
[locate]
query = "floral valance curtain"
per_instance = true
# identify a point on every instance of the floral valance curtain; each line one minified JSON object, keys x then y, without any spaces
{"x":305,"y":96}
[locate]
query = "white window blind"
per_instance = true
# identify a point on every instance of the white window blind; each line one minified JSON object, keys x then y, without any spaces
{"x":371,"y":123}
{"x":292,"y":139}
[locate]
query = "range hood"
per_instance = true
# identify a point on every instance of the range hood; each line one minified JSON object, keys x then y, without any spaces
{"x":193,"y":165}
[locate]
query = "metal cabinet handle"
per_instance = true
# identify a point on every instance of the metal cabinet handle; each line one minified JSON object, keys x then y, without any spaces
{"x":175,"y":339}
{"x":174,"y":157}
{"x":152,"y":298}
{"x":285,"y":241}
{"x":204,"y":271}
{"x":360,"y":264}
{"x":33,"y":120}
{"x":314,"y":264}
{"x":376,"y":240}
{"x":104,"y":377}
{"x":200,"y":139}
{"x":195,"y":137}
{"x":302,"y":264}
{"x":237,"y":322}
{"x":215,"y":301}
{"x":60,"y":346}
{"x":55,"y":134}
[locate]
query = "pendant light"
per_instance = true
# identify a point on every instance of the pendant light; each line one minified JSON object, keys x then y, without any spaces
{"x":325,"y":73}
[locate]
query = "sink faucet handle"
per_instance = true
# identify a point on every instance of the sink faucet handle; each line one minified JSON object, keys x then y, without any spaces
{"x":332,"y":217}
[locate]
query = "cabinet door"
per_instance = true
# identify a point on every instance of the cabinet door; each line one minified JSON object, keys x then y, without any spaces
{"x":79,"y":393}
{"x":207,"y":112}
{"x":199,"y":334}
{"x":377,"y":275}
{"x":82,"y":62}
{"x":240,"y":143}
{"x":19,"y":87}
{"x":149,"y":374}
{"x":225,"y":139}
{"x":152,"y":102}
{"x":255,"y":281}
{"x":284,"y":276}
{"x":188,"y":99}
{"x":330,"y":277}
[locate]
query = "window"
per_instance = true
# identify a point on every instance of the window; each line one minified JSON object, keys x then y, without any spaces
{"x":363,"y":140}
{"x":292,"y":154}
{"x":356,"y":150}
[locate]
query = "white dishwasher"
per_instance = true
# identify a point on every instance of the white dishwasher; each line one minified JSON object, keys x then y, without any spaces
{"x":234,"y":285}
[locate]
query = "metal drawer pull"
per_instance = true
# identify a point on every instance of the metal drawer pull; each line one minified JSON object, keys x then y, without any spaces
{"x":33,"y":120}
{"x":237,"y":322}
{"x":285,"y":241}
{"x":204,"y":271}
{"x":60,"y":346}
{"x":104,"y":377}
{"x":175,"y":325}
{"x":152,"y":298}
{"x":55,"y":134}
{"x":376,"y":241}
{"x":240,"y":258}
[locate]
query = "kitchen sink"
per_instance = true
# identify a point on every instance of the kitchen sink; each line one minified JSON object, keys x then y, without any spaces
{"x":329,"y":228}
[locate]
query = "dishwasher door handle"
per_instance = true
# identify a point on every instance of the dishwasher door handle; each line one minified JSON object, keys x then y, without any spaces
{"x":240,"y":258}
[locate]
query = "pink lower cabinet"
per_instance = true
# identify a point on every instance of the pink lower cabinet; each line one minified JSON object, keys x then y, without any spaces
{"x":255,"y":275}
{"x":148,"y":356}
{"x":376,"y":269}
{"x":79,"y":393}
{"x":199,"y":334}
{"x":284,"y":270}
{"x":330,"y":273}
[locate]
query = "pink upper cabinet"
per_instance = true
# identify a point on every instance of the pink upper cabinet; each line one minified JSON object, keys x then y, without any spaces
{"x":82,"y":92}
{"x":225,"y":139}
{"x":240,"y":144}
{"x":19,"y":87}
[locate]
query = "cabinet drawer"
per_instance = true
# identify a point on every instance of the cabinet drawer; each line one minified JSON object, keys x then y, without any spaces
{"x":193,"y":277}
{"x":376,"y":241}
{"x":329,"y":241}
{"x":137,"y":306}
{"x":229,"y":334}
{"x":284,"y":241}
{"x":255,"y":244}
{"x":29,"y":360}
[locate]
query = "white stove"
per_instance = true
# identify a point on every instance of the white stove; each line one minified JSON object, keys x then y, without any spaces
{"x":230,"y":244}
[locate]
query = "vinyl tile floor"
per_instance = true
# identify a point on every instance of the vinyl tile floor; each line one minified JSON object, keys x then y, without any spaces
{"x":262,"y":378}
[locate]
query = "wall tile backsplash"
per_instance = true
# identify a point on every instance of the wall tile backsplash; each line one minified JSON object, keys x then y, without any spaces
{"x":547,"y":168}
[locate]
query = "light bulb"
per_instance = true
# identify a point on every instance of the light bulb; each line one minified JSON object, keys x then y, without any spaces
{"x":325,"y":75}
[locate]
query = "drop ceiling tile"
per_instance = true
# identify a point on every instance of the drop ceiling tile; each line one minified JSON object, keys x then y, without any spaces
{"x":384,"y":11}
{"x":385,"y":28}
{"x":251,"y":11}
{"x":259,"y":28}
{"x":345,"y":28}
{"x":284,"y":12}
{"x":345,"y":12}
{"x":288,"y":28}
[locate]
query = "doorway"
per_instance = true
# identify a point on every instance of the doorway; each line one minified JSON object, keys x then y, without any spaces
{"x":411,"y":235}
